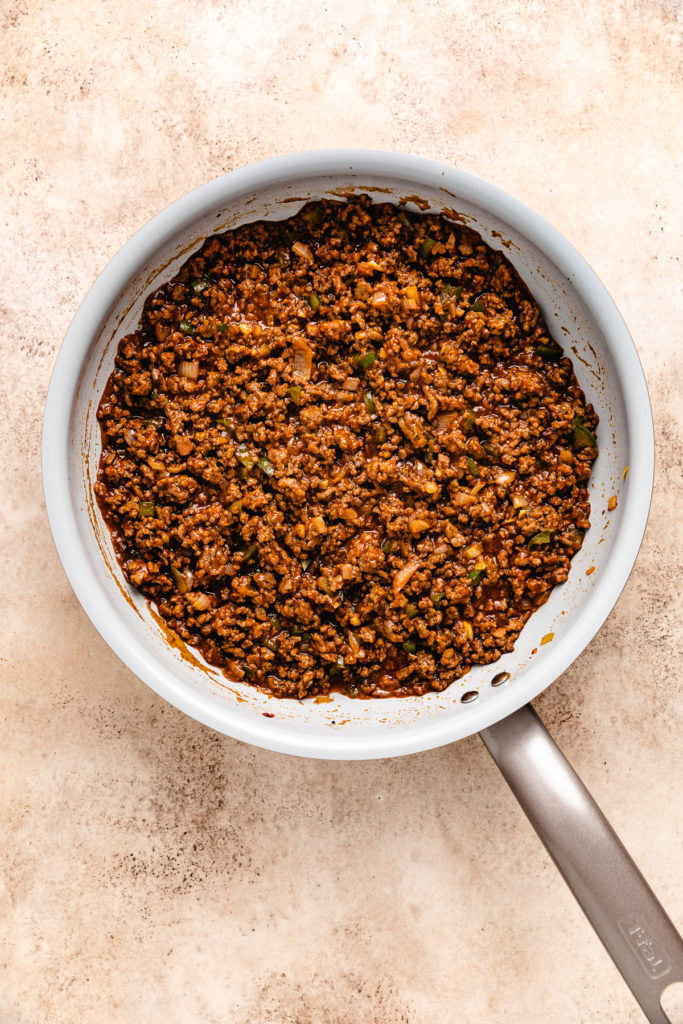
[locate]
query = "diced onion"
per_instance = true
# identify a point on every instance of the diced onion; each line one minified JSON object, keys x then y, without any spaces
{"x":201,"y":603}
{"x":318,"y":524}
{"x":351,"y":384}
{"x":404,"y":574}
{"x":303,"y":360}
{"x":505,"y":478}
{"x":461,"y":498}
{"x":189,"y":370}
{"x":445,"y":420}
{"x":301,"y":249}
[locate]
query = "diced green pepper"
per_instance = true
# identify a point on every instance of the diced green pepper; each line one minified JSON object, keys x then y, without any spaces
{"x":200,"y":284}
{"x":244,"y":456}
{"x":469,"y":422}
{"x":146,"y":508}
{"x":369,"y":402}
{"x":404,"y":220}
{"x":365,"y":359}
{"x":450,"y":291}
{"x":266,"y":466}
{"x":248,"y":553}
{"x":472,"y":466}
{"x":477,"y":307}
{"x":380,"y":435}
{"x":295,"y":393}
{"x":409,"y":646}
{"x":338,"y":667}
{"x":185,"y":327}
{"x":540,"y":538}
{"x":313,"y":301}
{"x":386,"y":546}
{"x":437,"y":597}
{"x":476,"y":575}
{"x":180,"y":580}
{"x":582,"y":437}
{"x":427,"y":247}
{"x":411,"y":610}
{"x":313,"y":215}
{"x":550,"y":351}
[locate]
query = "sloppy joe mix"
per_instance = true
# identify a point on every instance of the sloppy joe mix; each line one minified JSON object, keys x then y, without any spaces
{"x":342,"y":451}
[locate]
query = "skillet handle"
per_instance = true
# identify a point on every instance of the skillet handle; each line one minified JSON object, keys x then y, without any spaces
{"x":618,"y":902}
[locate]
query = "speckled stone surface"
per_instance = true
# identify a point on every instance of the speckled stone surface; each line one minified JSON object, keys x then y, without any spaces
{"x":151,"y":870}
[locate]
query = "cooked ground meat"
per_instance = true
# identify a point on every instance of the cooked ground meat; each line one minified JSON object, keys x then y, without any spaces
{"x":342,"y":451}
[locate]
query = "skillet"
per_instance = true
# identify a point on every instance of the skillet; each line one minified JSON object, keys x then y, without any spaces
{"x":492,"y":700}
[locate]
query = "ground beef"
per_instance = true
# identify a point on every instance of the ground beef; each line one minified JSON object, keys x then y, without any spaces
{"x":342,"y":451}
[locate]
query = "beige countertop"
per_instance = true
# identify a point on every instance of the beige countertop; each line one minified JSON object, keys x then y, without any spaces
{"x":152,"y":870}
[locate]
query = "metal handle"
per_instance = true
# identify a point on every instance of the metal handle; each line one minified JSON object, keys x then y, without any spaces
{"x":618,"y":902}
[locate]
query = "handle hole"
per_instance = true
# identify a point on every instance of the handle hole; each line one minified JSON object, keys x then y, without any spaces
{"x":671,"y":1002}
